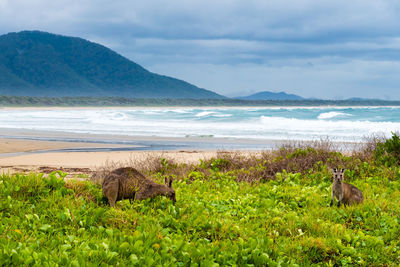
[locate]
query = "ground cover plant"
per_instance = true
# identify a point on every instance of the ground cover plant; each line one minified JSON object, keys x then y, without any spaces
{"x":268,"y":210}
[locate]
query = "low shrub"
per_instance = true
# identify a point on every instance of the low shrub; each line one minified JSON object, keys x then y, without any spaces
{"x":388,"y":151}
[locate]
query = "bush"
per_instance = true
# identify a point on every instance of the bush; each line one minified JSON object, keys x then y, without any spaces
{"x":388,"y":152}
{"x":392,"y":146}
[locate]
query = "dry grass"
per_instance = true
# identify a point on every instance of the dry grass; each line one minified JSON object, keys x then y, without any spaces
{"x":291,"y":157}
{"x":365,"y":150}
{"x":149,"y":163}
{"x":295,"y":157}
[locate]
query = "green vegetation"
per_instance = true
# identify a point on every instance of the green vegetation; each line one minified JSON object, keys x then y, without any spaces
{"x":388,"y":151}
{"x":272,"y":209}
{"x":29,"y":101}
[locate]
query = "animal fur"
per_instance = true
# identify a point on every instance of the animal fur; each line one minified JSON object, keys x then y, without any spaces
{"x":128,"y":183}
{"x":345,"y":193}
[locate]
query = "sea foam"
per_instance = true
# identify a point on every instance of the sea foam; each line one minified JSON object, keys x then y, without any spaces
{"x":346,"y":124}
{"x":332,"y":114}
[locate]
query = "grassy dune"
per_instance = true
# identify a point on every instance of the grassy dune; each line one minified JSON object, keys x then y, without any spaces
{"x":231,"y":210}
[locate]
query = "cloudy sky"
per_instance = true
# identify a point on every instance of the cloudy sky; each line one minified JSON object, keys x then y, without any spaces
{"x":327,"y":49}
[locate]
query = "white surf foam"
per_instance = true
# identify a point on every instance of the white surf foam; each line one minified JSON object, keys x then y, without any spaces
{"x":205,"y":113}
{"x":332,"y":114}
{"x":230,"y":123}
{"x":344,"y":130}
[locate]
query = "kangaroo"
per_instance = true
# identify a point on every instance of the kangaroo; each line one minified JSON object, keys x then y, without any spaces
{"x":128,"y":183}
{"x":346,"y":193}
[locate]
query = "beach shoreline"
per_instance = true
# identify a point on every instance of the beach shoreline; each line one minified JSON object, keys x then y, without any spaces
{"x":178,"y":127}
{"x":24,"y":155}
{"x":29,"y":150}
{"x":118,"y":139}
{"x":124,"y":142}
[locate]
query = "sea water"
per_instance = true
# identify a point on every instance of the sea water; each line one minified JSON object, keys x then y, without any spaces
{"x":349,"y":124}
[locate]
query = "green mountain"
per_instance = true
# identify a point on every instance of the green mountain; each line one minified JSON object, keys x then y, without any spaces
{"x":271,"y":96}
{"x":34,"y":63}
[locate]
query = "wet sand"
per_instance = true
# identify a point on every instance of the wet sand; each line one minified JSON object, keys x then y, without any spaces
{"x":23,"y":145}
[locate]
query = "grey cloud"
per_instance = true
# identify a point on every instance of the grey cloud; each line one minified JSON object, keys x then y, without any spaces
{"x":323,"y":80}
{"x":220,"y":51}
{"x":294,"y":20}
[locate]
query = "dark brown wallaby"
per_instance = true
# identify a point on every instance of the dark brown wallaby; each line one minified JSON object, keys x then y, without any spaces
{"x":346,"y":193}
{"x":128,"y":183}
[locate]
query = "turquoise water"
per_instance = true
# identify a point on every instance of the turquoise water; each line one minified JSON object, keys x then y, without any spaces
{"x":277,"y":123}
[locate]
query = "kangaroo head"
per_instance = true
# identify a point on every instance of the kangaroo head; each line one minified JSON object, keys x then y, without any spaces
{"x":338,"y":175}
{"x":170,"y":191}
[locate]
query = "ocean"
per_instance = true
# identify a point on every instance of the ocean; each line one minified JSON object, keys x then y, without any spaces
{"x":342,"y":124}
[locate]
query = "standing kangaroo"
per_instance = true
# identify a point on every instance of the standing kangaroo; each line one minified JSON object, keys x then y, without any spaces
{"x":128,"y":183}
{"x":346,"y":193}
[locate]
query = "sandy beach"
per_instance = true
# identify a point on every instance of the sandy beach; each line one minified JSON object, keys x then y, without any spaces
{"x":32,"y":155}
{"x":91,"y":159}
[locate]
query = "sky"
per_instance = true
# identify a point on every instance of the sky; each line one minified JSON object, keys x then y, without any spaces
{"x":332,"y":49}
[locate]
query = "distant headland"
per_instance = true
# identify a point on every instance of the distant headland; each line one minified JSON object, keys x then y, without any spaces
{"x":35,"y":63}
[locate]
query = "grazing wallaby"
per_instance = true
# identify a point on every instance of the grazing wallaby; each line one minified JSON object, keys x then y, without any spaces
{"x":128,"y":183}
{"x":346,"y":193}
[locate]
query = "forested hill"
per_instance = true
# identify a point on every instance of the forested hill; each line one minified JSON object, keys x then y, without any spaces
{"x":34,"y":63}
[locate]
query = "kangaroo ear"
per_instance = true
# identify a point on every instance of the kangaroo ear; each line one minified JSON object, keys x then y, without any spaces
{"x":170,"y":183}
{"x":343,"y":170}
{"x":334,"y":170}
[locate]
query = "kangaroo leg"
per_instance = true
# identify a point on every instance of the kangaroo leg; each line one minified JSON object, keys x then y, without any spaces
{"x":332,"y":196}
{"x":111,"y":192}
{"x":340,"y":199}
{"x":112,"y":199}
